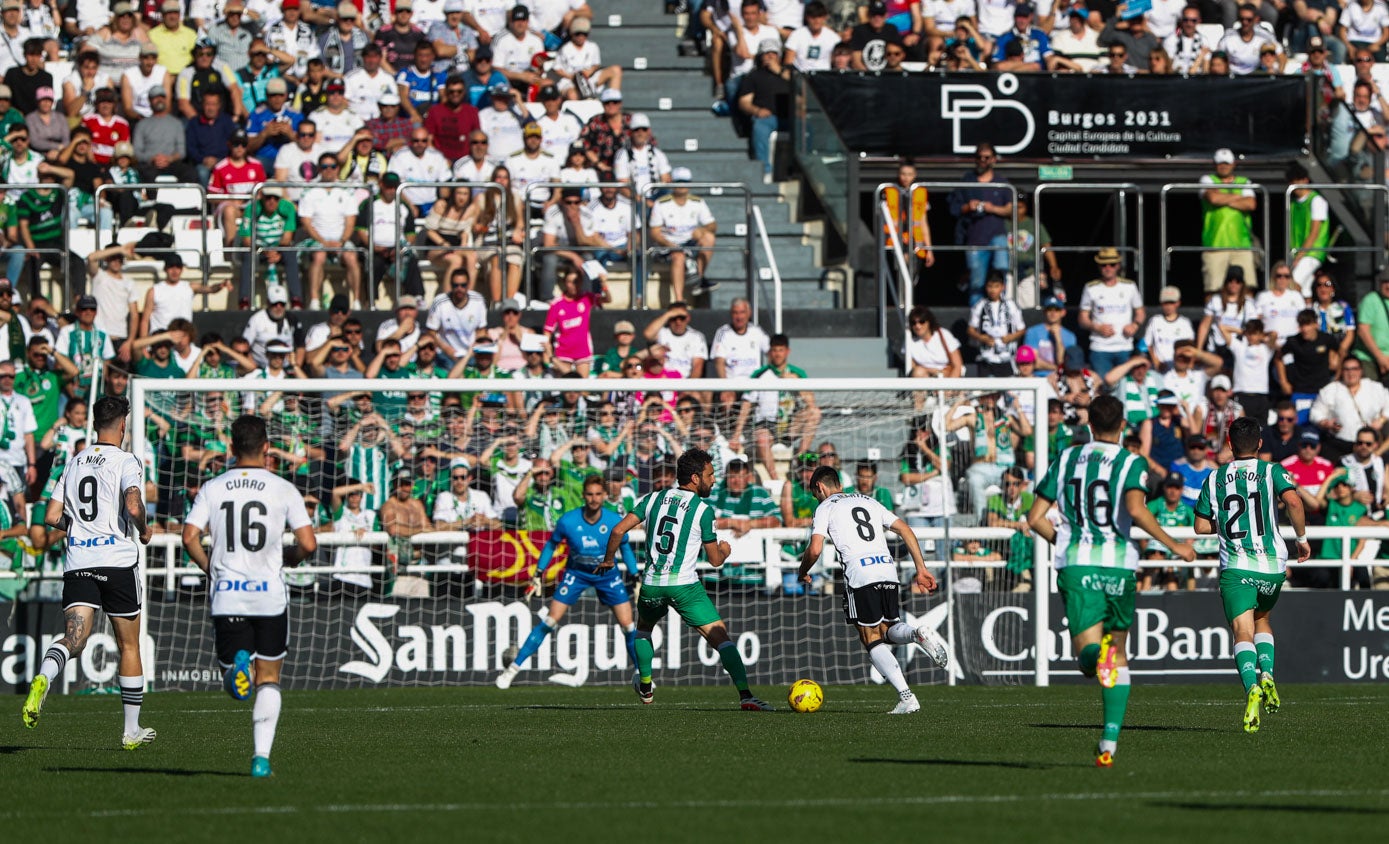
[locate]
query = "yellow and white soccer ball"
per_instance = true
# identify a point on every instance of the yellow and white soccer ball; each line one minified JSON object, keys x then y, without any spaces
{"x":805,"y":696}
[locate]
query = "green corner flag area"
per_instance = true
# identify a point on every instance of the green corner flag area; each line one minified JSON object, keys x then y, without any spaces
{"x":592,"y":764}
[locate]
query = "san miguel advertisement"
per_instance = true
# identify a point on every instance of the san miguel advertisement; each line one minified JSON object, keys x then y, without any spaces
{"x":1046,"y":117}
{"x":355,"y":642}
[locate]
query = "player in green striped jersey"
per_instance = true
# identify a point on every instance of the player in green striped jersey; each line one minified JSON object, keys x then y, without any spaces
{"x":679,"y":523}
{"x":1096,"y":558}
{"x":1239,"y":503}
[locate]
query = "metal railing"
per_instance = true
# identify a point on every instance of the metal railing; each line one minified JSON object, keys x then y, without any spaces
{"x":1378,"y":192}
{"x":404,"y":250}
{"x":1121,"y":191}
{"x":63,"y":252}
{"x":530,"y":249}
{"x":902,"y":291}
{"x":712,"y":189}
{"x":772,"y":267}
{"x":1260,"y":249}
{"x":348,"y":244}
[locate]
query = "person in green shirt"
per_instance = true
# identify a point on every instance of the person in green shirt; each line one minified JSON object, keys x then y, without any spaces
{"x":571,"y":465}
{"x":740,"y":505}
{"x":866,"y":483}
{"x":1372,"y":330}
{"x":1170,"y":511}
{"x":787,"y":416}
{"x":1060,"y":435}
{"x":41,"y":385}
{"x":39,"y":217}
{"x":1342,"y":510}
{"x":1009,"y":509}
{"x":388,"y":363}
{"x":609,"y":364}
{"x":1227,"y":211}
{"x":1029,"y":234}
{"x":539,"y":500}
{"x":621,"y":497}
{"x":159,"y":362}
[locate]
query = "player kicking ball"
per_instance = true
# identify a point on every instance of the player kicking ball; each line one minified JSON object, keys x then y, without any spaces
{"x":244,"y":512}
{"x":97,"y":500}
{"x":855,"y":523}
{"x":585,"y":531}
{"x":1096,"y":559}
{"x":1239,"y":504}
{"x":679,"y":524}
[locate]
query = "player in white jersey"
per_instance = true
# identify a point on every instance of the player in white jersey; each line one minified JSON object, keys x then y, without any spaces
{"x":872,"y":592}
{"x":245,"y":512}
{"x":1102,"y":492}
{"x":1239,"y":503}
{"x":98,"y":500}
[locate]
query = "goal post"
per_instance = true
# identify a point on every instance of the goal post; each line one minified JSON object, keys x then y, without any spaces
{"x":447,"y":606}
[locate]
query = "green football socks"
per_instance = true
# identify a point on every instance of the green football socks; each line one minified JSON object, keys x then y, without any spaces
{"x":645,"y":654}
{"x":1263,"y":644}
{"x":1089,"y":658}
{"x":1246,"y":657}
{"x":733,"y":664}
{"x":1116,"y":702}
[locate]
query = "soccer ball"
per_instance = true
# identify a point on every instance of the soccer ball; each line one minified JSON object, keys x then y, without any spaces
{"x":805,"y":696}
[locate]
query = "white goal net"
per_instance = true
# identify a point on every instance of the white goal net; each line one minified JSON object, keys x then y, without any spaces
{"x":419,"y":582}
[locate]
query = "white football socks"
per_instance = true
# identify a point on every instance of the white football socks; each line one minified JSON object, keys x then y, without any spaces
{"x":886,"y":662}
{"x":265,"y":715}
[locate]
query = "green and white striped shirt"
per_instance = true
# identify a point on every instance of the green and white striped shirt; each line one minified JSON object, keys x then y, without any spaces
{"x":1241,"y":497}
{"x":677,"y":523}
{"x":1089,"y":482}
{"x":368,"y":464}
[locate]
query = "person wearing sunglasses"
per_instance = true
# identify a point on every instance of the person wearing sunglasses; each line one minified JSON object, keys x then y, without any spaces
{"x":1186,"y":45}
{"x":1335,"y":316}
{"x":981,"y":214}
{"x":1241,"y":45}
{"x":1131,"y":34}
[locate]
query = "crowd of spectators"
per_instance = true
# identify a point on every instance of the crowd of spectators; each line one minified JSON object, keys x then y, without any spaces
{"x":390,"y":99}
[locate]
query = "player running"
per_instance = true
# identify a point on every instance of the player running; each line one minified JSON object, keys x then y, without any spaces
{"x":1096,"y":559}
{"x":679,"y":522}
{"x":1239,"y":503}
{"x":585,"y":530}
{"x":97,"y":501}
{"x":854,"y":523}
{"x":244,"y":512}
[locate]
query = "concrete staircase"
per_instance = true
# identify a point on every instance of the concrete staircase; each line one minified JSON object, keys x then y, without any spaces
{"x":676,"y":94}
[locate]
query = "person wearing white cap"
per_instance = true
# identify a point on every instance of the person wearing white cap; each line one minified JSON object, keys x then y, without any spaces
{"x":232,"y":36}
{"x":341,"y":45}
{"x":1227,"y":223}
{"x":273,"y":124}
{"x":404,"y":327}
{"x":640,"y":163}
{"x":1166,"y":328}
{"x":683,"y":224}
{"x":137,"y":81}
{"x":580,"y":65}
{"x":174,"y":39}
{"x":271,"y":323}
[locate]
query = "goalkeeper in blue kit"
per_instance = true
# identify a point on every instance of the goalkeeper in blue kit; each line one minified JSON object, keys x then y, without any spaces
{"x":585,"y":530}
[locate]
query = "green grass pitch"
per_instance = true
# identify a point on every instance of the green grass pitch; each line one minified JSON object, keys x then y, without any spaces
{"x":559,"y":764}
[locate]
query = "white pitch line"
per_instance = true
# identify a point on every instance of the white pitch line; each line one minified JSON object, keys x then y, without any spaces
{"x":628,"y":805}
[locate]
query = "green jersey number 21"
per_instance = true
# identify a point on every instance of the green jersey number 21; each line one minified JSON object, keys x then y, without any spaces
{"x":1235,"y":505}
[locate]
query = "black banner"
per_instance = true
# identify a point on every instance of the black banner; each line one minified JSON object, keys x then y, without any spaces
{"x":340,"y":642}
{"x":1067,"y":116}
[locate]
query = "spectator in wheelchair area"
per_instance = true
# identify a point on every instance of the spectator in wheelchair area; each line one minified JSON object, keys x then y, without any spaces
{"x":683,"y":230}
